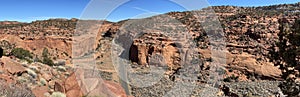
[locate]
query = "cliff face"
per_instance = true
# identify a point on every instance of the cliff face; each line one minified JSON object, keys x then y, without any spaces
{"x":247,"y":36}
{"x":54,"y":35}
{"x":148,"y":46}
{"x":249,"y":32}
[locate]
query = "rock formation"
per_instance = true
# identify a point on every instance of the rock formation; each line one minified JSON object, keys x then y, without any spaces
{"x":249,"y":32}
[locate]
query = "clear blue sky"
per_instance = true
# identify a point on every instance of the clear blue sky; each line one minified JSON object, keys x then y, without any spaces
{"x":29,"y":10}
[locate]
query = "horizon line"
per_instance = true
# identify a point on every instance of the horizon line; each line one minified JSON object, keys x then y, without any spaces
{"x":33,"y":19}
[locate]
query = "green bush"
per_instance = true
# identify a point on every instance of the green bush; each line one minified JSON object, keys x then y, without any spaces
{"x":231,"y":78}
{"x":46,"y":59}
{"x":21,"y":53}
{"x":285,"y":54}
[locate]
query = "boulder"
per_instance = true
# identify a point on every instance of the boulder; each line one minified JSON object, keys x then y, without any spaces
{"x":115,"y":88}
{"x":40,"y":91}
{"x":248,"y":63}
{"x":72,"y":88}
{"x":58,"y":87}
{"x":12,"y":66}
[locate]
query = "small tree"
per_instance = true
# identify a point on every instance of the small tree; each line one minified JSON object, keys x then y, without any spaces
{"x":46,"y":59}
{"x":285,"y":53}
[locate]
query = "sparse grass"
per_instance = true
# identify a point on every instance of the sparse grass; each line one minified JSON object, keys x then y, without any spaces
{"x":14,"y":91}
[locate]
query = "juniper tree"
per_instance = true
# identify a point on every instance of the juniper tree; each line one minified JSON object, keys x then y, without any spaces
{"x":285,"y":54}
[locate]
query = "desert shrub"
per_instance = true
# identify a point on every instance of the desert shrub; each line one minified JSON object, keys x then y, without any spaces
{"x":46,"y":59}
{"x":60,"y":62}
{"x":21,"y":53}
{"x":14,"y":91}
{"x":231,"y":78}
{"x":285,"y":54}
{"x":31,"y":73}
{"x":43,"y":81}
{"x":58,"y":94}
{"x":61,"y":68}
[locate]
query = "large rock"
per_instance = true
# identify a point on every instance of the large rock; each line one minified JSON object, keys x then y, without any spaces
{"x":12,"y":66}
{"x":248,"y":63}
{"x":58,"y":87}
{"x":107,"y":89}
{"x":72,"y":87}
{"x":92,"y":86}
{"x":115,"y":88}
{"x":40,"y":91}
{"x":7,"y":78}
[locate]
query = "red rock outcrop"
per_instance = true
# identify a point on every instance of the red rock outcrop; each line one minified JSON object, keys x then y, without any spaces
{"x":150,"y":45}
{"x":11,"y":66}
{"x":76,"y":86}
{"x":72,"y":88}
{"x":40,"y":91}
